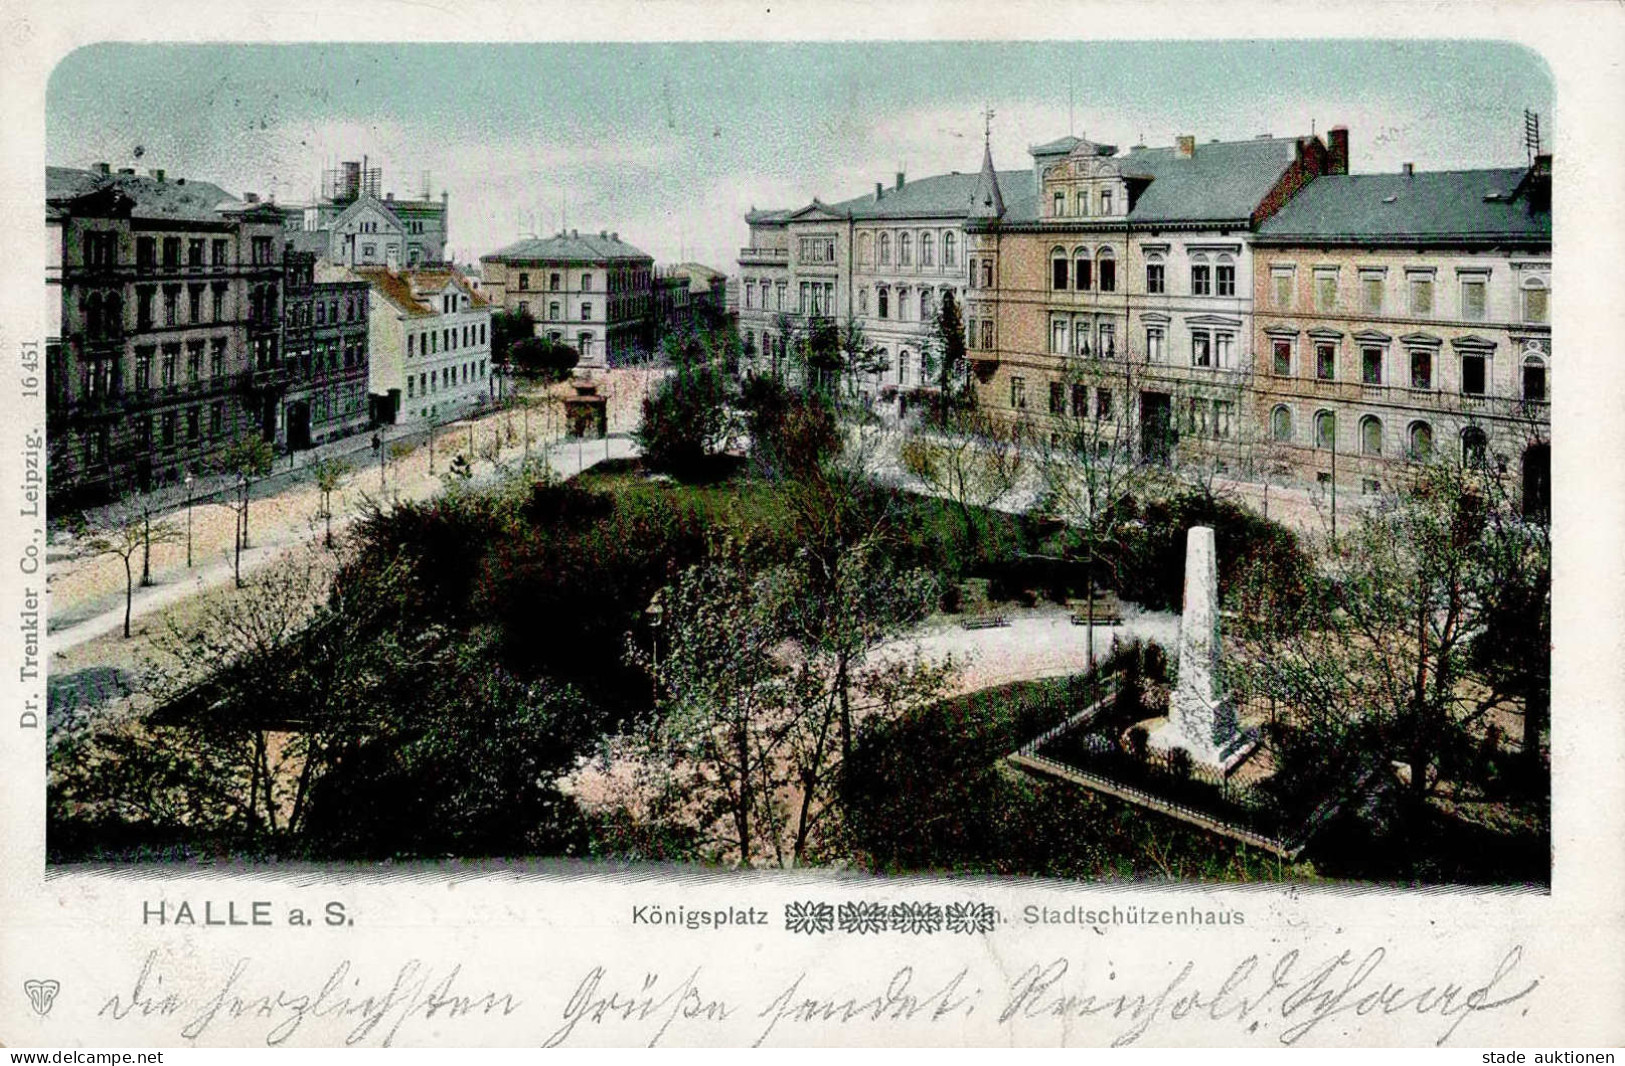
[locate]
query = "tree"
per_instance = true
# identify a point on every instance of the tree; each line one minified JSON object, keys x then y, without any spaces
{"x":974,"y":459}
{"x":330,"y":474}
{"x":507,"y":329}
{"x":249,"y":458}
{"x":1387,"y":659}
{"x":540,"y":357}
{"x":128,"y":529}
{"x":944,"y":352}
{"x":689,"y":417}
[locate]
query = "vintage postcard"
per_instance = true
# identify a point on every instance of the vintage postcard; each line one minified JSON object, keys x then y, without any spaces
{"x":871,"y":525}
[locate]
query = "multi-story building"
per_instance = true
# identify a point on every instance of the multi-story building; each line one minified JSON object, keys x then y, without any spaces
{"x":593,"y":293}
{"x":354,"y":223}
{"x":883,"y":261}
{"x":1118,"y":289}
{"x":430,"y":344}
{"x":319,"y":389}
{"x":1399,"y":315}
{"x":169,"y":291}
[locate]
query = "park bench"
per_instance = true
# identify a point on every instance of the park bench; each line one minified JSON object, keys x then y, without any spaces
{"x":983,"y":621}
{"x":1107,"y":610}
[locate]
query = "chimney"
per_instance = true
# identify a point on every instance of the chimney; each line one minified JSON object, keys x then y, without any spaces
{"x":1185,"y":146}
{"x":575,"y":233}
{"x":899,"y":179}
{"x":603,"y":234}
{"x":389,"y":197}
{"x":251,"y":197}
{"x":157,"y":175}
{"x":1337,"y":144}
{"x":1409,"y":169}
{"x":880,"y":187}
{"x":615,"y":236}
{"x":103,"y":169}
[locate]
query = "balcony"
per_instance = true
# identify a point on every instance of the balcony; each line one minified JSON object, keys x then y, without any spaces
{"x":771,"y":256}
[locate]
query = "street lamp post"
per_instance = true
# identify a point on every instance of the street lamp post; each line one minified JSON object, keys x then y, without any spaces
{"x":190,"y":481}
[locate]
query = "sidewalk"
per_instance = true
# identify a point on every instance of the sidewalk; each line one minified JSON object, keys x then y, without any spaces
{"x":86,"y":595}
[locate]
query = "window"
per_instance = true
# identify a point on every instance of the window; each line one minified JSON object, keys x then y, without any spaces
{"x":1057,"y":398}
{"x":218,"y":294}
{"x":902,"y":366}
{"x":1083,"y":202}
{"x":1472,"y":299}
{"x":1153,"y":343}
{"x":586,"y":312}
{"x":552,"y":283}
{"x":143,"y":308}
{"x":928,"y":250}
{"x":194,"y":361}
{"x":1325,"y":290}
{"x":925,"y":305}
{"x":101,"y":248}
{"x":143,"y":368}
{"x":1080,"y":401}
{"x":554,"y":310}
{"x":1371,"y":292}
{"x":1108,"y":340}
{"x":194,"y":304}
{"x":949,"y":249}
{"x":524,"y":282}
{"x":369,"y":251}
{"x":172,"y":302}
{"x":1326,"y":362}
{"x":194,"y":252}
{"x":172,"y":252}
{"x":1201,"y":349}
{"x":1105,"y":201}
{"x":885,"y":249}
{"x":1057,"y":269}
{"x":1225,"y":276}
{"x":883,"y":301}
{"x":1018,"y":393}
{"x":1057,"y":335}
{"x":169,"y":429}
{"x":1421,"y":288}
{"x":1474,"y":446}
{"x":1371,"y":366}
{"x":1108,"y":271}
{"x":1281,"y":288}
{"x":1370,"y":436}
{"x":1282,"y":362}
{"x":217,"y":418}
{"x":1225,"y":350}
{"x":193,"y":423}
{"x":1103,"y":404}
{"x":1472,"y":374}
{"x":1154,"y":283}
{"x":1534,"y":301}
{"x":586,"y":283}
{"x":1059,"y":208}
{"x":262,"y":251}
{"x":146,"y":252}
{"x":863,"y":301}
{"x":1421,"y":441}
{"x":217,"y":252}
{"x":1281,"y":424}
{"x":987,"y":273}
{"x":1083,"y":271}
{"x":1325,"y":429}
{"x":1534,"y":379}
{"x":1421,"y":368}
{"x":987,"y":334}
{"x":217,"y":357}
{"x":1201,"y":280}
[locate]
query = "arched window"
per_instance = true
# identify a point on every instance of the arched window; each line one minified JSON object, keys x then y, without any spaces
{"x":1535,"y":292}
{"x":1106,"y":265}
{"x":863,"y":301}
{"x":1224,"y":276}
{"x":885,"y":248}
{"x":905,"y":250}
{"x":93,"y":315}
{"x":1083,"y":273}
{"x":1325,"y":429}
{"x":949,"y":250}
{"x":902,"y":303}
{"x":1370,"y":435}
{"x":1156,"y":280}
{"x":928,"y":250}
{"x":902,"y":366}
{"x":1475,"y":446}
{"x":1534,"y":378}
{"x":883,"y":301}
{"x":1421,"y":441}
{"x":1281,"y":423}
{"x":926,"y":310}
{"x":865,"y":248}
{"x":1057,"y":269}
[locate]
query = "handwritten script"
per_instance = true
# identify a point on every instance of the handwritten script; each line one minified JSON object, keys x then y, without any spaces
{"x":1283,"y":998}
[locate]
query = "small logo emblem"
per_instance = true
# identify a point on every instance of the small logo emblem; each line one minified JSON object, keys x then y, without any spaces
{"x":42,"y":994}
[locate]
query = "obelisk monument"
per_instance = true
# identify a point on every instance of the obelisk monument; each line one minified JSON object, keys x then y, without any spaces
{"x":1201,"y":719}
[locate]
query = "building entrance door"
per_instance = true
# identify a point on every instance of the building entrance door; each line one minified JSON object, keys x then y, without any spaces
{"x":1156,"y":426}
{"x":299,"y":425}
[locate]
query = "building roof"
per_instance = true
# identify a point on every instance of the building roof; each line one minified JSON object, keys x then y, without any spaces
{"x":700,"y":277}
{"x":174,"y":198}
{"x":400,"y":287}
{"x":573,"y":247}
{"x":1460,"y":204}
{"x":986,"y":201}
{"x":755,"y":217}
{"x":313,"y":241}
{"x":436,"y":278}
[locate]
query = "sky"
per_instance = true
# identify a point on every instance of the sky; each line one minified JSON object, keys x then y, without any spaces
{"x":670,"y":144}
